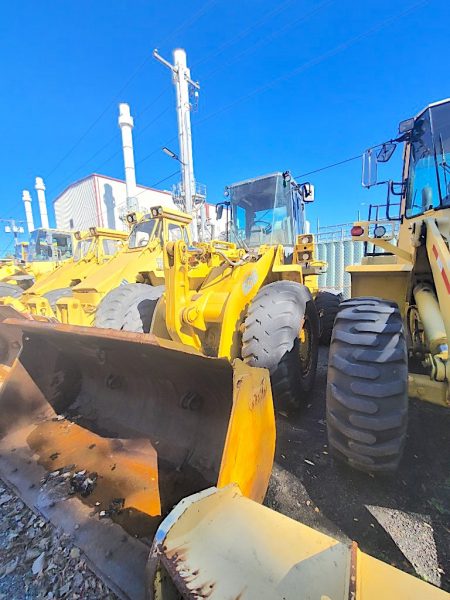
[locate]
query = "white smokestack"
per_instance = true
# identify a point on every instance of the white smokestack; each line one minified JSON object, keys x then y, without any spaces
{"x":26,"y":197}
{"x":126,"y":124}
{"x":40,"y":188}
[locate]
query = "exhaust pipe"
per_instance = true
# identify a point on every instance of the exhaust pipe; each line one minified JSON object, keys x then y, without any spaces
{"x":126,"y":124}
{"x":40,"y":189}
{"x":26,"y":197}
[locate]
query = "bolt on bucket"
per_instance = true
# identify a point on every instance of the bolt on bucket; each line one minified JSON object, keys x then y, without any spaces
{"x":126,"y":423}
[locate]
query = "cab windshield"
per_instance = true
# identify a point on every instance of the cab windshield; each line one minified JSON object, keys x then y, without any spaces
{"x":429,"y":164}
{"x":82,"y":248}
{"x":49,"y":246}
{"x":142,"y":233}
{"x":261,"y":212}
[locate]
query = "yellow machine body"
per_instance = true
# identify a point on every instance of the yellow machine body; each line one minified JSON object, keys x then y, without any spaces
{"x":93,"y":249}
{"x":210,"y":287}
{"x":218,"y":544}
{"x":140,"y":261}
{"x":41,"y":258}
{"x":412,"y":266}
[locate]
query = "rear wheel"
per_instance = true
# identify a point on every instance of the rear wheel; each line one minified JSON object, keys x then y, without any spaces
{"x":327,"y":304}
{"x":9,"y":289}
{"x":54,"y":295}
{"x":272,"y":339}
{"x":128,"y":307}
{"x":367,"y":397}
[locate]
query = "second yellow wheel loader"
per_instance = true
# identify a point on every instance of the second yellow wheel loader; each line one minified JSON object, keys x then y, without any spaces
{"x":93,"y":249}
{"x":390,"y":340}
{"x":102,"y":298}
{"x":47,"y":250}
{"x":252,"y":298}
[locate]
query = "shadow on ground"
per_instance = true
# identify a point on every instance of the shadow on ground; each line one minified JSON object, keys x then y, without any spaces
{"x":333,"y":498}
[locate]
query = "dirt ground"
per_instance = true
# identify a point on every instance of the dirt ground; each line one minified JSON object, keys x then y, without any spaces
{"x":402,"y":519}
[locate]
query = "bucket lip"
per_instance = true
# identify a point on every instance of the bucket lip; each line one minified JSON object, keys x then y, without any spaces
{"x":32,"y":325}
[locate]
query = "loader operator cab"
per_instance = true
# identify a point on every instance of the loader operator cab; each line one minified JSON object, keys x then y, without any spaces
{"x":154,"y":227}
{"x":49,"y":245}
{"x":98,"y":244}
{"x":426,"y":177}
{"x":268,"y":210}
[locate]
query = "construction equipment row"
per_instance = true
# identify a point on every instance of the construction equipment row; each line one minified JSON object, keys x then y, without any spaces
{"x":153,"y":381}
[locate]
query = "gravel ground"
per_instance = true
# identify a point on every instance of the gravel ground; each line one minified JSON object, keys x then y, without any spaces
{"x":36,"y":561}
{"x":403,"y":520}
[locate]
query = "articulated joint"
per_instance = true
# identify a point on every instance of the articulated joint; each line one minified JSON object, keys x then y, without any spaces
{"x":439,"y":366}
{"x":431,"y":318}
{"x":189,"y":315}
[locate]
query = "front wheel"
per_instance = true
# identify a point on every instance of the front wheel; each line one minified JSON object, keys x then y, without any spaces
{"x":128,"y":307}
{"x":367,"y":388}
{"x":281,"y":333}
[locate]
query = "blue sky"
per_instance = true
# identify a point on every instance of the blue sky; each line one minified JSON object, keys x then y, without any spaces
{"x":293,"y":84}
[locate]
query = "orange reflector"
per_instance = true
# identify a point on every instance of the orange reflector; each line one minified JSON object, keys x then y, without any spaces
{"x":356,"y":230}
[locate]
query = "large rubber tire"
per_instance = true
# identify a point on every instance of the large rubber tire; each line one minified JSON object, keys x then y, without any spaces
{"x":327,"y":304}
{"x":9,"y":289}
{"x":271,"y":340}
{"x":112,"y":310}
{"x":54,"y":295}
{"x":138,"y":317}
{"x":367,"y":388}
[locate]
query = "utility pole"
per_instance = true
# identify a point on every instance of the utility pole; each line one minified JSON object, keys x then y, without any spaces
{"x":14,"y":227}
{"x":182,"y":80}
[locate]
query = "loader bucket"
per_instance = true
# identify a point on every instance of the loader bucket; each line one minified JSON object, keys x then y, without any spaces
{"x":126,"y":423}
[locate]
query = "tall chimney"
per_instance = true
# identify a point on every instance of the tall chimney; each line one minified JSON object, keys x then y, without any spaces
{"x":126,"y":124}
{"x":40,"y":188}
{"x":26,"y":197}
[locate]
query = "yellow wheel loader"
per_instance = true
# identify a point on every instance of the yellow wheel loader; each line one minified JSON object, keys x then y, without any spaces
{"x":390,"y":340}
{"x":252,"y":298}
{"x":104,"y":431}
{"x":102,"y":298}
{"x":47,"y":250}
{"x":93,"y":249}
{"x":188,"y":409}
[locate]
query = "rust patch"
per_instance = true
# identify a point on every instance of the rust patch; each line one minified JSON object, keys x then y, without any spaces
{"x":126,"y":468}
{"x":259,"y":395}
{"x":352,"y":577}
{"x":186,"y":579}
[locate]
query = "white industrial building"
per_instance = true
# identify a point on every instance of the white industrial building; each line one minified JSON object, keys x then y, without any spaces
{"x":99,"y":200}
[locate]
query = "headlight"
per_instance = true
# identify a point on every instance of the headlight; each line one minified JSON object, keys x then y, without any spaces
{"x":379,"y":231}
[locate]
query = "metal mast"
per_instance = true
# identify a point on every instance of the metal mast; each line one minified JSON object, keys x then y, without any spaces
{"x":182,"y":80}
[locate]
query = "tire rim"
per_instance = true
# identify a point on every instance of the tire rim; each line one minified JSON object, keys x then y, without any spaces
{"x":305,"y":348}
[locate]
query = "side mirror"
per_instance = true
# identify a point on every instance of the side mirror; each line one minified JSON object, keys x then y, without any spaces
{"x":308,"y":192}
{"x":406,"y":125}
{"x":386,"y":151}
{"x":219,"y":211}
{"x":369,"y":168}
